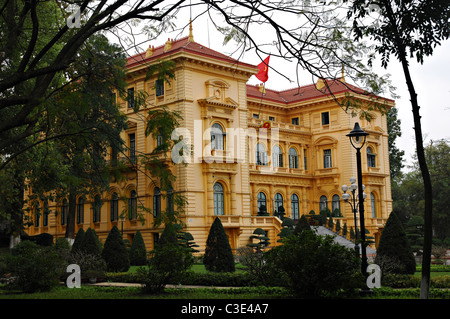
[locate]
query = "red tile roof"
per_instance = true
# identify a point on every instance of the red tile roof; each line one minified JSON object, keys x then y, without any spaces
{"x":302,"y":93}
{"x":184,"y":45}
{"x":285,"y":97}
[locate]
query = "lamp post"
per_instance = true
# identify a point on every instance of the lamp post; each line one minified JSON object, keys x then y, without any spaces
{"x":357,"y":138}
{"x":352,"y":200}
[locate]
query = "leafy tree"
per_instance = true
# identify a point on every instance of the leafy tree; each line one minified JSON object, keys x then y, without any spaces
{"x":395,"y":154}
{"x":408,"y":29}
{"x":288,"y":225}
{"x":394,"y":254}
{"x":115,"y":252}
{"x":167,"y":264}
{"x":218,"y":255}
{"x":138,"y":252}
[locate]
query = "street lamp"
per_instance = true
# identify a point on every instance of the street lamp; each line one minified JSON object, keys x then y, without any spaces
{"x":357,"y":139}
{"x":353,"y":202}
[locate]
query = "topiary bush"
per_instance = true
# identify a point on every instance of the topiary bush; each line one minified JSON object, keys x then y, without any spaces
{"x":115,"y":252}
{"x":138,"y":252}
{"x":91,"y":243}
{"x":218,"y":255}
{"x":78,"y":241}
{"x":394,"y":253}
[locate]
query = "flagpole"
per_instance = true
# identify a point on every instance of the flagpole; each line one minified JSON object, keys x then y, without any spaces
{"x":262,"y":94}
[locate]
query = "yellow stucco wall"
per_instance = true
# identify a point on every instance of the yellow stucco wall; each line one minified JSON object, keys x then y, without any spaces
{"x":210,"y":89}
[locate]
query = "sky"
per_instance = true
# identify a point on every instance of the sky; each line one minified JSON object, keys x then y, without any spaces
{"x":431,"y":80}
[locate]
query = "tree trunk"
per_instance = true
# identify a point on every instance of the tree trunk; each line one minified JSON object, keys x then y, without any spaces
{"x":70,"y":227}
{"x":401,"y":54}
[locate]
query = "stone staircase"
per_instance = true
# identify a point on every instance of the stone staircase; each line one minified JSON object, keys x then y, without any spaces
{"x":321,"y":230}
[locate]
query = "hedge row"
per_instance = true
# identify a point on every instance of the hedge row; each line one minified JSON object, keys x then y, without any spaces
{"x":411,"y":281}
{"x":196,"y":279}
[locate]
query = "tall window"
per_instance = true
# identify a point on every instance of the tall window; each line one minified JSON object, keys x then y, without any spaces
{"x":217,"y":137}
{"x":262,"y":207}
{"x":293,"y":158}
{"x":295,"y":207}
{"x":278,"y":202}
{"x":130,"y":98}
{"x":305,"y":160}
{"x":157,"y":202}
{"x":295,"y":121}
{"x":37,"y":215}
{"x":323,"y":203}
{"x":96,"y":208}
{"x":261,"y":155}
{"x":45,"y":215}
{"x":370,"y":157}
{"x":277,"y":157}
{"x":218,"y":199}
{"x":336,"y":203}
{"x":132,"y":138}
{"x":373,"y":204}
{"x":80,"y":210}
{"x":114,"y":209}
{"x":64,"y":211}
{"x":159,"y":87}
{"x":327,"y":159}
{"x":325,"y":118}
{"x":132,"y":205}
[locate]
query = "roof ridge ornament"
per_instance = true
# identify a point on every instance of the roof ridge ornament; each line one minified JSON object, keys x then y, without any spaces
{"x":191,"y":35}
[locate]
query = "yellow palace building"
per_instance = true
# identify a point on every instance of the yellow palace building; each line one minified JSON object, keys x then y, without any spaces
{"x":237,"y":169}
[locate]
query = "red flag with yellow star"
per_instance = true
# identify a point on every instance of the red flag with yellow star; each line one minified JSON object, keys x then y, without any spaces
{"x":263,"y":67}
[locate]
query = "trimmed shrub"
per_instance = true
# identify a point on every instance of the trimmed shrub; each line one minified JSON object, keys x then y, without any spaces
{"x":394,"y":253}
{"x":313,"y":266}
{"x":91,"y":243}
{"x":138,"y":253}
{"x":78,"y":242}
{"x":115,"y":252}
{"x":218,"y":255}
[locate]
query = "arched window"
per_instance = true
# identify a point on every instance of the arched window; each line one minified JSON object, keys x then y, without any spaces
{"x":218,"y":199}
{"x":323,"y":203}
{"x":278,"y":203}
{"x":217,"y":137}
{"x":132,"y":205}
{"x":336,"y":204}
{"x":293,"y":158}
{"x":114,"y":211}
{"x":261,"y":155}
{"x":373,"y":205}
{"x":295,"y":207}
{"x":262,"y":207}
{"x":64,"y":211}
{"x":277,"y":157}
{"x":157,"y":202}
{"x":80,"y":210}
{"x":370,"y":157}
{"x":96,"y":208}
